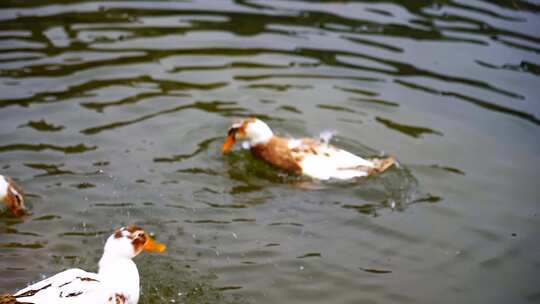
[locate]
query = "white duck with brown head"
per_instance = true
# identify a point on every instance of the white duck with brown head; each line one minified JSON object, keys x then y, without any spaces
{"x":117,"y":281}
{"x":310,"y":157}
{"x":12,"y":195}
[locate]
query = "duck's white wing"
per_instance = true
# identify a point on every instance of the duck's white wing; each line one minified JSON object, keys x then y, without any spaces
{"x":323,"y":161}
{"x":73,"y":286}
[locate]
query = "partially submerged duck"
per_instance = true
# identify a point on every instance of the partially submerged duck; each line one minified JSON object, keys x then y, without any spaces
{"x":306,"y":156}
{"x":117,"y":281}
{"x":12,"y":195}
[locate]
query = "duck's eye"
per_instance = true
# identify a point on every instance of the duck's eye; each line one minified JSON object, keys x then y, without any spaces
{"x":17,"y":197}
{"x":18,"y":200}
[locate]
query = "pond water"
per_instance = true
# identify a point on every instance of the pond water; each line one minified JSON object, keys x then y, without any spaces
{"x":114,"y":113}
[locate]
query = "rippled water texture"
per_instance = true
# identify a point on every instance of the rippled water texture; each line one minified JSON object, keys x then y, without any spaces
{"x":114,"y":113}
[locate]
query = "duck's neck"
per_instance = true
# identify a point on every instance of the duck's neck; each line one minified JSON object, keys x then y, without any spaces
{"x":261,"y":137}
{"x":121,"y":275}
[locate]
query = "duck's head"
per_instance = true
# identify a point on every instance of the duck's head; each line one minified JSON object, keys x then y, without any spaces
{"x":12,"y":195}
{"x":251,"y":129}
{"x":129,"y":241}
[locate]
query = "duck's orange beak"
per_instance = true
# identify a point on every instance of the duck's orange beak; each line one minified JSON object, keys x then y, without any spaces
{"x":229,"y":142}
{"x":153,"y":246}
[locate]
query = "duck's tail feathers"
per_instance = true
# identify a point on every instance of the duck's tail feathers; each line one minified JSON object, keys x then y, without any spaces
{"x":381,"y":164}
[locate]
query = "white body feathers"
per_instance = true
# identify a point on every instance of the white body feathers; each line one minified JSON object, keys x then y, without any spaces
{"x":331,"y":162}
{"x":117,"y":281}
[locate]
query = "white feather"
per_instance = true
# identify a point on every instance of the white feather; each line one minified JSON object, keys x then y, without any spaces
{"x":246,"y":145}
{"x":65,"y":287}
{"x":258,"y":132}
{"x":3,"y":187}
{"x":118,"y":275}
{"x":326,"y":136}
{"x":294,"y":143}
{"x":331,"y":162}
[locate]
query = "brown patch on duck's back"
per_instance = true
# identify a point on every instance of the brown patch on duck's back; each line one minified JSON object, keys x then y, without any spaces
{"x":311,"y":146}
{"x":277,"y":153}
{"x":381,"y":164}
{"x":310,"y":142}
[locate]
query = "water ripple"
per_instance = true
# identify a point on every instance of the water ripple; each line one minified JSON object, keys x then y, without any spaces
{"x":204,"y":106}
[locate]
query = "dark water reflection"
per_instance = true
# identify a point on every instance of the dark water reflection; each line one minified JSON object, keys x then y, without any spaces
{"x":113,"y":113}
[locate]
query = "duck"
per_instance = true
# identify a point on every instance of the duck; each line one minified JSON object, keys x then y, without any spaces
{"x":116,"y":282}
{"x":311,"y":157}
{"x":12,"y":196}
